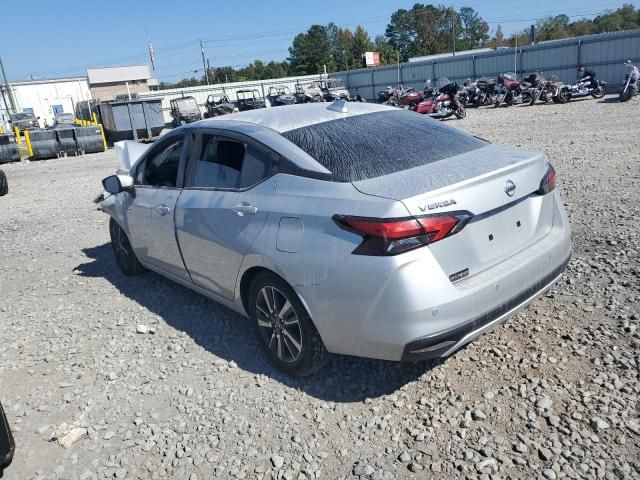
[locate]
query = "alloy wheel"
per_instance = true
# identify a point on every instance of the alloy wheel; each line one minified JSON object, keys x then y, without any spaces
{"x":279,"y":324}
{"x":121,"y":243}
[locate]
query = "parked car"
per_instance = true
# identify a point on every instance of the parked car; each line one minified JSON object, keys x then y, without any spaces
{"x":64,"y":119}
{"x":7,"y":444}
{"x":249,"y":100}
{"x":403,"y":245}
{"x":24,"y":121}
{"x":184,"y":110}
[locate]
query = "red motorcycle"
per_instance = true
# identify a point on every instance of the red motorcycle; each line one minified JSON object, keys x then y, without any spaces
{"x":511,"y":91}
{"x":410,"y":98}
{"x":445,"y":104}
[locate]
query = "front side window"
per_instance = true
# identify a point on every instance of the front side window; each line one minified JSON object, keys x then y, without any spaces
{"x":229,"y":164}
{"x":160,"y":167}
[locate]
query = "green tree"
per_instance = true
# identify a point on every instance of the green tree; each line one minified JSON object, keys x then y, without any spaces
{"x":552,"y":28}
{"x":400,"y":32}
{"x":475,"y":31}
{"x":311,"y":51}
{"x":361,"y":43}
{"x":498,"y":39}
{"x":387,"y":52}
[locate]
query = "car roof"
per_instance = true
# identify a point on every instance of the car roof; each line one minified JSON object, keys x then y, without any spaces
{"x":290,"y":117}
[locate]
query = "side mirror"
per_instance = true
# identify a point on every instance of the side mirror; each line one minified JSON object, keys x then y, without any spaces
{"x":7,"y":444}
{"x":117,"y":183}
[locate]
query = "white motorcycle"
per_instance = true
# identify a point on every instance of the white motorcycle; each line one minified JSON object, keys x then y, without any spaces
{"x":630,"y":87}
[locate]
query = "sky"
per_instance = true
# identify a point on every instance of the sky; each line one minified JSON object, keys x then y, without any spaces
{"x":65,"y":37}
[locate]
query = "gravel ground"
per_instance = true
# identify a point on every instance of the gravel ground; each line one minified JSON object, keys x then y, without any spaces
{"x":154,"y":381}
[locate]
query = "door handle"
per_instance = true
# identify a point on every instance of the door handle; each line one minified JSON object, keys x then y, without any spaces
{"x":245,"y":209}
{"x":163,"y":209}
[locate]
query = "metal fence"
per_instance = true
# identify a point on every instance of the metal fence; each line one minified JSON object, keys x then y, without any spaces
{"x":201,"y":93}
{"x":605,"y":52}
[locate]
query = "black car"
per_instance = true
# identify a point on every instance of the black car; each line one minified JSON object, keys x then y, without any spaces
{"x":249,"y":100}
{"x":7,"y":445}
{"x":24,"y":121}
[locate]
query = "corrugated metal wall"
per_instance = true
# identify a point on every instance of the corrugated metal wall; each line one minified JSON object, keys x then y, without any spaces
{"x":605,"y":53}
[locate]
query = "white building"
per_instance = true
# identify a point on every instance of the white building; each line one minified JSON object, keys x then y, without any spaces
{"x":50,"y":97}
{"x":44,"y":98}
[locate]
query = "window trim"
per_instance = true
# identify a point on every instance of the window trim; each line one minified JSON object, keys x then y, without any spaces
{"x":220,"y":134}
{"x":187,"y":137}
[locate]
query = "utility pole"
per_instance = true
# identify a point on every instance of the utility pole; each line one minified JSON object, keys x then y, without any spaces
{"x":515,"y":59}
{"x":204,"y":63}
{"x":453,"y":32}
{"x":208,"y":68}
{"x":6,"y":83}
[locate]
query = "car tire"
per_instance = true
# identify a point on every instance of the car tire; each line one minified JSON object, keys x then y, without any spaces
{"x":125,"y":256}
{"x":284,"y":328}
{"x":4,"y":185}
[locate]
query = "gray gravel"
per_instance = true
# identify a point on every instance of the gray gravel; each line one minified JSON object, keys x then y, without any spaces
{"x":104,"y":376}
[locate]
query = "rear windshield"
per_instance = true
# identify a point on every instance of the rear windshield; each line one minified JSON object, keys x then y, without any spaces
{"x":376,"y":144}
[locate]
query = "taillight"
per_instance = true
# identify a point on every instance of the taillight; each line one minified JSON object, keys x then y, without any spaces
{"x":391,"y":236}
{"x":548,"y":182}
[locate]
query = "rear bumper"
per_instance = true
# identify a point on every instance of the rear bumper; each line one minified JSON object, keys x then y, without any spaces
{"x":389,"y":307}
{"x":445,"y":343}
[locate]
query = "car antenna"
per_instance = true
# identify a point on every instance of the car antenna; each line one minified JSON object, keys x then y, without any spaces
{"x":339,"y":106}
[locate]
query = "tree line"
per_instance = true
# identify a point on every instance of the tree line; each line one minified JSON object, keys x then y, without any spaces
{"x":424,"y":29}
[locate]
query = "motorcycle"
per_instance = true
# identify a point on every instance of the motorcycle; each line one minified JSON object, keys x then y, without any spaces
{"x":630,"y":87}
{"x":483,"y":94}
{"x":511,"y":91}
{"x":585,"y":85}
{"x":390,"y":95}
{"x":400,"y":97}
{"x":410,"y":98}
{"x":444,"y":105}
{"x":543,"y":89}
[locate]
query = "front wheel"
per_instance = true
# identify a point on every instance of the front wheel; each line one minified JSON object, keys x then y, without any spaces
{"x":461,"y":112}
{"x":284,"y":327}
{"x":534,"y":96}
{"x":599,"y":91}
{"x":564,"y":96}
{"x":626,"y":95}
{"x":125,"y":256}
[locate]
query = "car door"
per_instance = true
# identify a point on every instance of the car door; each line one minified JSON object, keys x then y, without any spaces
{"x":150,"y":211}
{"x":223,"y":207}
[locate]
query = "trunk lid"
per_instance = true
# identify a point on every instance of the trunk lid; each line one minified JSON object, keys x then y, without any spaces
{"x":476,"y":181}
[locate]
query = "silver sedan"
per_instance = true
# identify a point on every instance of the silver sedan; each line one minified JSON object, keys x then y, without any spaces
{"x":349,"y":228}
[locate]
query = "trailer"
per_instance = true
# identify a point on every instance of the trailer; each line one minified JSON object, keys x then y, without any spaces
{"x":131,"y":119}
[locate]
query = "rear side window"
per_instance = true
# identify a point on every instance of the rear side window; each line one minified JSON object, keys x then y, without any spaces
{"x":376,"y":144}
{"x":230,"y":164}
